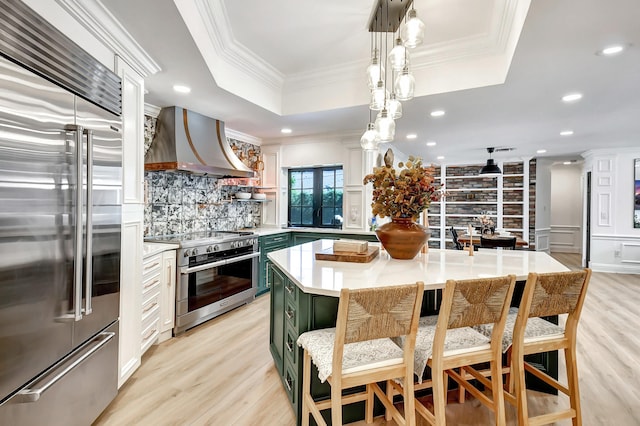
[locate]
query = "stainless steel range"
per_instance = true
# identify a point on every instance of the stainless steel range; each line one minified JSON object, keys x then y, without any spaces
{"x":216,"y":272}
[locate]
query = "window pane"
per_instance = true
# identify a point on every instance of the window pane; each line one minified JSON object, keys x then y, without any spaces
{"x":307,"y":197}
{"x":296,"y":213}
{"x":327,"y":198}
{"x":296,"y":197}
{"x":307,"y":216}
{"x":295,"y":180}
{"x":338,"y":198}
{"x":307,"y":179}
{"x":327,"y":217}
{"x":328,"y":180}
{"x":339,"y":179}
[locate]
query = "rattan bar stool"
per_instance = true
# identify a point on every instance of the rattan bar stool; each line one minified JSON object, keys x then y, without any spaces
{"x":447,"y":341}
{"x":359,"y":351}
{"x":526,"y":333}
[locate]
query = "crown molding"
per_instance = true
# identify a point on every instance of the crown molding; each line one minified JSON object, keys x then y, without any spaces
{"x":151,"y":110}
{"x":242,"y":137}
{"x":96,"y":19}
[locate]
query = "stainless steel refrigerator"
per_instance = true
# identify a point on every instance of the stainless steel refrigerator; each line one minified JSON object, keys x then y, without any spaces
{"x":60,"y":220}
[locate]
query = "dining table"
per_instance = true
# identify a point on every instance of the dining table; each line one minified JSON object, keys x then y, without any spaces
{"x":464,"y":239}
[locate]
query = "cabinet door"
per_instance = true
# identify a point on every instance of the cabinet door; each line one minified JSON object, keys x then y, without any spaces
{"x":167,"y":294}
{"x":276,"y":330}
{"x":130,"y":297}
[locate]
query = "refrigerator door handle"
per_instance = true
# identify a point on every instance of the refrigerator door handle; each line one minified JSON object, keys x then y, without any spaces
{"x":88,"y":272}
{"x":34,"y":394}
{"x":77,"y":249}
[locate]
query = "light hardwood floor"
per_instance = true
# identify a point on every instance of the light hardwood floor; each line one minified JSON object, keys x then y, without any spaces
{"x":221,"y":372}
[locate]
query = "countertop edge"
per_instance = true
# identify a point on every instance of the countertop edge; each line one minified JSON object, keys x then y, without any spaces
{"x":150,"y":249}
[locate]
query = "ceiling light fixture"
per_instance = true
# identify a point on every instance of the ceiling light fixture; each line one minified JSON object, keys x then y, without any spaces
{"x":491,"y":168}
{"x":285,"y":130}
{"x":412,"y":136}
{"x":431,"y":143}
{"x":566,"y":163}
{"x":438,"y":113}
{"x":440,"y":157}
{"x":612,"y":50}
{"x":566,"y":133}
{"x":572,"y":97}
{"x":398,"y":84}
{"x":541,"y":151}
{"x":181,"y":89}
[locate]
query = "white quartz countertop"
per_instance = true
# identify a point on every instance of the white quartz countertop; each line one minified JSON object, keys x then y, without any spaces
{"x":149,"y":249}
{"x":270,"y":231}
{"x":433,"y":268}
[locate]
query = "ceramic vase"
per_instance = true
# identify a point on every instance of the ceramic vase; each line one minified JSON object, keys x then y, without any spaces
{"x":402,"y":238}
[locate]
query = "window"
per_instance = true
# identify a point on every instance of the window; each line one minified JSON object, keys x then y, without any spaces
{"x":315,"y":197}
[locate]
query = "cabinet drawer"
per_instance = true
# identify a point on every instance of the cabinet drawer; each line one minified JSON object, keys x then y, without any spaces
{"x":150,"y":286}
{"x":290,"y":382}
{"x":151,"y":266}
{"x":291,"y":315}
{"x":291,"y":349}
{"x":150,"y":334}
{"x":275,"y":242}
{"x":291,"y":291}
{"x":151,"y":307}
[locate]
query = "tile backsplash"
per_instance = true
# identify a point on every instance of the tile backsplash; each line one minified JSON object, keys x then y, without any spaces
{"x":179,"y":202}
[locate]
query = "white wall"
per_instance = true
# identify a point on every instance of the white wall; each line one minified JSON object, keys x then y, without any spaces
{"x":615,"y":243}
{"x":566,"y":208}
{"x":543,"y":205}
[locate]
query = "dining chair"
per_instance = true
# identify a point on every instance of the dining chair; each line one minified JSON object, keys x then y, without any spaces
{"x":447,"y":342}
{"x":527,"y":333}
{"x":504,"y":242}
{"x":454,"y":235}
{"x":359,"y":351}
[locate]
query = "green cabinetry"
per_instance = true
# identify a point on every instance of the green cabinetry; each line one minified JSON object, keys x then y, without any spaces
{"x":269,"y":243}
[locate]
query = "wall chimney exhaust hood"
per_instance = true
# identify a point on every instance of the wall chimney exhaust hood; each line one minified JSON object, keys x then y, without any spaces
{"x":188,"y":141}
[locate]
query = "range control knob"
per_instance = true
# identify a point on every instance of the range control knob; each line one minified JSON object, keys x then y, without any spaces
{"x":186,"y":253}
{"x":216,"y":248}
{"x":209,"y":249}
{"x":194,"y":252}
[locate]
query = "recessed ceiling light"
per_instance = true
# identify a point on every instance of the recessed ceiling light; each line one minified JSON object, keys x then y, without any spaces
{"x":437,"y":113}
{"x":412,"y":136}
{"x":440,"y":157}
{"x":431,"y":143}
{"x":181,"y":89}
{"x":285,"y":130}
{"x":612,"y":50}
{"x":541,"y":151}
{"x":566,"y":163}
{"x":572,"y":97}
{"x":566,"y":133}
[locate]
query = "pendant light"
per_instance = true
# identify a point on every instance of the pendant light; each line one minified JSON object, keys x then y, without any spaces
{"x":378,"y":96}
{"x":399,"y":57}
{"x":385,"y":126}
{"x":413,"y":30}
{"x":394,"y":107}
{"x":404,"y":86}
{"x":375,"y":70}
{"x":370,"y":138}
{"x":491,"y":168}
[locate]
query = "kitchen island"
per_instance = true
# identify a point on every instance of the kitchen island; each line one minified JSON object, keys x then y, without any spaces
{"x":305,"y":291}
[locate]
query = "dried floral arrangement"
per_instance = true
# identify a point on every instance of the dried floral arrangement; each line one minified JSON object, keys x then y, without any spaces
{"x":485,"y":221}
{"x":405,"y":193}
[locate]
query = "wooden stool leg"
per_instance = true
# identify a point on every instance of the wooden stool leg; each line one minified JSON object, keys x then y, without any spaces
{"x":368,"y":416}
{"x":508,"y":378}
{"x":389,"y":393}
{"x":439,"y":398}
{"x":498,"y":392}
{"x":409,"y":400}
{"x":336,"y":402}
{"x":306,"y":388}
{"x":572,"y":381}
{"x":461,"y":391}
{"x":517,"y":375}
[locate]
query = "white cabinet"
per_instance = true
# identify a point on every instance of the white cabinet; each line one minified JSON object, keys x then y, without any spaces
{"x":130,"y":296}
{"x":167,"y":295}
{"x":151,"y":284}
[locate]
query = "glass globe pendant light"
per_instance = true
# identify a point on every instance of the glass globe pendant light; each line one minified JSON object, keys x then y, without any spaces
{"x":394,"y":107}
{"x":370,"y":138}
{"x":399,"y":57}
{"x":385,"y":126}
{"x":404,"y":85}
{"x":378,"y":96}
{"x":375,"y":70}
{"x":413,"y":30}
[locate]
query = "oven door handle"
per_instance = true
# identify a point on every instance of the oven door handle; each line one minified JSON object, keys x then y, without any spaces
{"x":185,"y":271}
{"x":244,"y":257}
